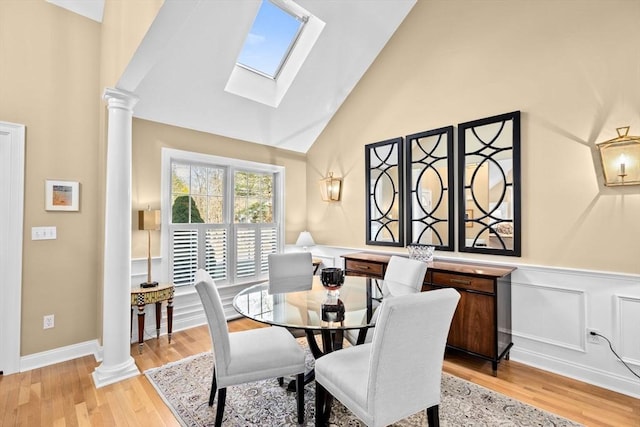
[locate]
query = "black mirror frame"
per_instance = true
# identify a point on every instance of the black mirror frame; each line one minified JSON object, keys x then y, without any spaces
{"x":462,"y":128}
{"x":449,"y":187}
{"x":399,"y":193}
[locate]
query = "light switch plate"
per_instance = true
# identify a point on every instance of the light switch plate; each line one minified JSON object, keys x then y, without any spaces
{"x":43,"y":233}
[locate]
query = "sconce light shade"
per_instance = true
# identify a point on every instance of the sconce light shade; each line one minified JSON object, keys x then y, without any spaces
{"x":149,"y":220}
{"x":621,"y":159}
{"x":305,"y":240}
{"x":330,"y":188}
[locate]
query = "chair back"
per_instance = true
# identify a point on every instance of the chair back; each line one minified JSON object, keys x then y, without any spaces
{"x":407,"y":353}
{"x":407,"y":271}
{"x":215,"y":317}
{"x":290,"y":272}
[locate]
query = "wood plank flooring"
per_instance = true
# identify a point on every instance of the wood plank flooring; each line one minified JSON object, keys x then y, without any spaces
{"x":64,"y":395}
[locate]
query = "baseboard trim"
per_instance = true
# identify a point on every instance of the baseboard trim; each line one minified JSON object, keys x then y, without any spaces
{"x":58,"y":355}
{"x":597,"y":377}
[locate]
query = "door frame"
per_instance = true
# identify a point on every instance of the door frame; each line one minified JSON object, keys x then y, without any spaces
{"x":12,"y":167}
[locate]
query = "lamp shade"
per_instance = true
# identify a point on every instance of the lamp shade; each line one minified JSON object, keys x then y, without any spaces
{"x":305,"y":239}
{"x":621,"y":159}
{"x":330,"y":188}
{"x":149,"y":220}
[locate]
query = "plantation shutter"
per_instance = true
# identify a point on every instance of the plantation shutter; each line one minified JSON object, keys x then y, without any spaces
{"x":268,"y":245}
{"x":216,"y":253}
{"x":185,"y":256}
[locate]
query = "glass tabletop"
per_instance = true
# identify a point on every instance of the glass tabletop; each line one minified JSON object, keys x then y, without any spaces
{"x":350,"y":307}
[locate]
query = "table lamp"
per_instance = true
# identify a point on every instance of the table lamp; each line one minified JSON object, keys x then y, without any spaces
{"x":149,"y":220}
{"x":305,"y":240}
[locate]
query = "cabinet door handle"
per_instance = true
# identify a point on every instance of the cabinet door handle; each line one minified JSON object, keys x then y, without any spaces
{"x":460,"y":281}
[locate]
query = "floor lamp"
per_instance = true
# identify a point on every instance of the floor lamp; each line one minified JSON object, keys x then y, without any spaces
{"x":149,"y":220}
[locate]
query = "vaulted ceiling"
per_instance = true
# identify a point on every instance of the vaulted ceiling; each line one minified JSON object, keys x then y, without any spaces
{"x":183,"y":64}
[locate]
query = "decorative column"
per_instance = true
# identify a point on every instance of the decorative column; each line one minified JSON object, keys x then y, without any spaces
{"x":117,"y":363}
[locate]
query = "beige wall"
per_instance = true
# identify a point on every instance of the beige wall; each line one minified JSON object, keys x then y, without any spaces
{"x":124,"y":25}
{"x":570,"y":67}
{"x":148,"y":140}
{"x":49,"y":67}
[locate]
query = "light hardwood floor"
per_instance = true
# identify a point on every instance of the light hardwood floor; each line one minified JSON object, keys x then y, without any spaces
{"x":63,"y":394}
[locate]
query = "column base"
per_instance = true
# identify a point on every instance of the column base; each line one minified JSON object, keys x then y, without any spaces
{"x":104,"y":376}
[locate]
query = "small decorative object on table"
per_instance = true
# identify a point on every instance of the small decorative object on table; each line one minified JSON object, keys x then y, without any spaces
{"x":421,"y":252}
{"x":332,"y":309}
{"x":332,"y":278}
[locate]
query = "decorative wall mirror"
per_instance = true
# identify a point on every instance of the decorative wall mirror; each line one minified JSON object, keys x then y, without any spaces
{"x":385,"y":207}
{"x":429,"y":179}
{"x":489,"y":185}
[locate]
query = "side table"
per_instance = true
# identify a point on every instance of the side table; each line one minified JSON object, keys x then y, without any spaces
{"x":316,"y":263}
{"x":142,"y":296}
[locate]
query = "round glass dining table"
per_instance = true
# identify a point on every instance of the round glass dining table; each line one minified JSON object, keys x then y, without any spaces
{"x":318,"y":309}
{"x":315,"y":308}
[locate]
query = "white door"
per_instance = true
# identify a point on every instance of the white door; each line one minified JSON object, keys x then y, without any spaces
{"x":11,"y":222}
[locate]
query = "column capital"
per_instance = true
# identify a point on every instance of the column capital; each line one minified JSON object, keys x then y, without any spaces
{"x":119,"y":98}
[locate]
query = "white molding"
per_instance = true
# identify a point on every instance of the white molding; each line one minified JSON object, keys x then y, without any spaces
{"x":60,"y":354}
{"x":626,"y":341}
{"x":13,"y":173}
{"x":581,"y":324}
{"x":577,"y":371}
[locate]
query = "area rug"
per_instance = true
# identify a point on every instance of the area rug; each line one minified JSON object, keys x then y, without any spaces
{"x":185,"y":385}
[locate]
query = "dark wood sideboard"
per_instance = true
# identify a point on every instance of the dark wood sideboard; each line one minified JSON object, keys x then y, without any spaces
{"x":481,"y":325}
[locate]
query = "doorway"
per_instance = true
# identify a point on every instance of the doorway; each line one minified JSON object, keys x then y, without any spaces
{"x":12,"y":146}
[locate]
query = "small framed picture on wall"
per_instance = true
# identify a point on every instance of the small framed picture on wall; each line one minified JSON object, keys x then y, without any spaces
{"x":468,"y":216}
{"x":62,"y":195}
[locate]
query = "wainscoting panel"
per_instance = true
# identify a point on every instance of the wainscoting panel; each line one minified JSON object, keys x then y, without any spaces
{"x":628,"y":315}
{"x":551,"y":311}
{"x":563,"y":322}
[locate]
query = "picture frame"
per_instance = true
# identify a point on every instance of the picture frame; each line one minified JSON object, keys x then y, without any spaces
{"x":62,"y":195}
{"x":468,"y":215}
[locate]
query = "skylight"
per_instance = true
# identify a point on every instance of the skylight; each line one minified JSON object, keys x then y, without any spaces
{"x":270,"y":40}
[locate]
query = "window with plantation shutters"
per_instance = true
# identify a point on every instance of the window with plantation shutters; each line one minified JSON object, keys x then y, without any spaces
{"x":223,"y":218}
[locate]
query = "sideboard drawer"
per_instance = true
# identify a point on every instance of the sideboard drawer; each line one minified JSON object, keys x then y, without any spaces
{"x":366,"y":268}
{"x":463,"y":282}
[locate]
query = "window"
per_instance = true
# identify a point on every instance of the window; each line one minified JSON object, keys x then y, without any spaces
{"x":223,"y":215}
{"x":274,"y":52}
{"x":271,"y":38}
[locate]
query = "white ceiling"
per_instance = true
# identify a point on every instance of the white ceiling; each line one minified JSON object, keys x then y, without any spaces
{"x":92,"y":9}
{"x":183,"y":64}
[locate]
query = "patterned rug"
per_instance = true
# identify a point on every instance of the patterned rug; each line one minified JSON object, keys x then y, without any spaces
{"x":185,"y":385}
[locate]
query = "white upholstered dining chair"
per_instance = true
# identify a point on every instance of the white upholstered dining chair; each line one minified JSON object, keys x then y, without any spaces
{"x":290,"y":272}
{"x":399,"y":372}
{"x":247,"y":356}
{"x":406,"y":271}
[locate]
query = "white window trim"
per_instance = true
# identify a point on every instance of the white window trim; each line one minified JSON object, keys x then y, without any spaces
{"x":170,"y":155}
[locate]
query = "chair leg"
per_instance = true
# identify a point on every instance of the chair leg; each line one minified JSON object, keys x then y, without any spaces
{"x":300,"y":396}
{"x":214,"y":387}
{"x":323,"y":405}
{"x":222,"y":397}
{"x":321,"y":395}
{"x":433,"y":416}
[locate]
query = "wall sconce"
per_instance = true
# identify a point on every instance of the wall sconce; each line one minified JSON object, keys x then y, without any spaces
{"x":621,"y":159}
{"x":330,"y":188}
{"x":149,"y":220}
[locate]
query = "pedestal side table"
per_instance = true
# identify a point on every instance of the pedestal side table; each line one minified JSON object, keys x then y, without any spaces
{"x":143,"y":296}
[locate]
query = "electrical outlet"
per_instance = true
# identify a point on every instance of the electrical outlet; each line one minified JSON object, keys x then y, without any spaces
{"x":48,"y":321}
{"x":593,"y":339}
